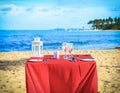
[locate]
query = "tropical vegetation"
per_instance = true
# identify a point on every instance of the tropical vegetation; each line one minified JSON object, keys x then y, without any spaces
{"x":106,"y":24}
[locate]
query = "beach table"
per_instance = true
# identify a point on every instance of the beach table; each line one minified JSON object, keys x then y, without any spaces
{"x":60,"y":75}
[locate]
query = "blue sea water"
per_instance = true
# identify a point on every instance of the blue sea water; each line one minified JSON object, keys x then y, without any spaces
{"x":21,"y":40}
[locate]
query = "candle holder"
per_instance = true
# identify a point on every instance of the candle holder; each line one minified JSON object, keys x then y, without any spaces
{"x":37,"y":48}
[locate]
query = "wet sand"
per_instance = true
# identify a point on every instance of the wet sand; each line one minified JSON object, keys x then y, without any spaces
{"x":12,"y":70}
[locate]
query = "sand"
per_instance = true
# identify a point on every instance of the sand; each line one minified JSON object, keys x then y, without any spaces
{"x":12,"y":70}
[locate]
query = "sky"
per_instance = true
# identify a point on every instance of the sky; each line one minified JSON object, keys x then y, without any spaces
{"x":50,"y":14}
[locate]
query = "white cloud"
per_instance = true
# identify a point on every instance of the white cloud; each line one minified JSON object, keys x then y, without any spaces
{"x":13,"y":9}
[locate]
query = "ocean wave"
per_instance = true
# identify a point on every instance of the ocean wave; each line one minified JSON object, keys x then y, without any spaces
{"x":22,"y":40}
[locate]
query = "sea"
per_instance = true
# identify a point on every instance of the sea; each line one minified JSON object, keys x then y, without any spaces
{"x":21,"y":40}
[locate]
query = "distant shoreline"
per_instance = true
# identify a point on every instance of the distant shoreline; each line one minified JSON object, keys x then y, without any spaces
{"x":63,"y":30}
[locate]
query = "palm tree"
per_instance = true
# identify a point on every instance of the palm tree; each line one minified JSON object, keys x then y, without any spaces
{"x":92,"y":22}
{"x":108,"y":23}
{"x":110,"y":20}
{"x":115,"y":20}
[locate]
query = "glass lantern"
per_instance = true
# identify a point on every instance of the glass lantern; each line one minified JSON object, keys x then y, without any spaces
{"x":37,"y":48}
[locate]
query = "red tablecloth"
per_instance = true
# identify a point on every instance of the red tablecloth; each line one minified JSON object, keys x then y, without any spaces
{"x":61,"y":76}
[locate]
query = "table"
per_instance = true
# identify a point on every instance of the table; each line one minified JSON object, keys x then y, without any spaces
{"x":61,"y":76}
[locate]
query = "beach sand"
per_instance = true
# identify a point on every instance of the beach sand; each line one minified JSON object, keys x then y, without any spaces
{"x":12,"y":70}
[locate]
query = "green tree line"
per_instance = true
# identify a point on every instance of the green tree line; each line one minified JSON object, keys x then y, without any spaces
{"x":106,"y":24}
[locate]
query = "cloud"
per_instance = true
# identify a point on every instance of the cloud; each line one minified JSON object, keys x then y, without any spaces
{"x":54,"y":13}
{"x":6,"y":9}
{"x":57,"y":11}
{"x":44,"y":11}
{"x":11,"y":9}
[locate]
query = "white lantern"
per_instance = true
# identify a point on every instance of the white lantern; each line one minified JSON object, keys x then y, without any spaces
{"x":37,"y":48}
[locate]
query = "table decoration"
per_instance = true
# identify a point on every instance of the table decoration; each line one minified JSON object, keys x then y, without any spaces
{"x":37,"y":47}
